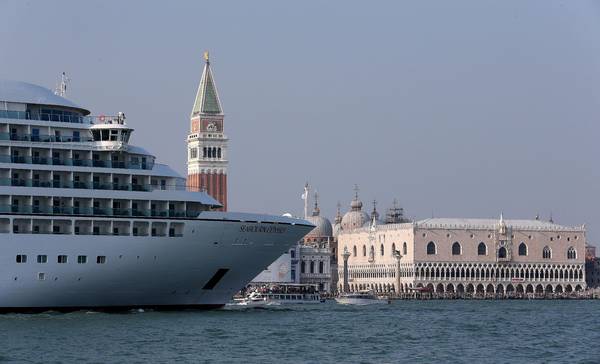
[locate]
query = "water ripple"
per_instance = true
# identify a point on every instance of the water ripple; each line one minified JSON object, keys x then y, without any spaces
{"x":425,"y":331}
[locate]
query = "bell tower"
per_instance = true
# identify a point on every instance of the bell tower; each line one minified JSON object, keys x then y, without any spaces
{"x":207,"y":142}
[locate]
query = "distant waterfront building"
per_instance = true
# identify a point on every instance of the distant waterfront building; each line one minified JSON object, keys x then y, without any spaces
{"x":317,"y":253}
{"x":592,"y":267}
{"x":464,"y":256}
{"x":207,"y":142}
{"x":313,"y":260}
{"x":590,"y":252}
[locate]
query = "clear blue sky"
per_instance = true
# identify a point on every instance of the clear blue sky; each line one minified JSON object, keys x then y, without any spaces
{"x":460,"y":109}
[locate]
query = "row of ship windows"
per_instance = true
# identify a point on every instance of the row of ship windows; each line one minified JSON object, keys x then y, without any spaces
{"x":97,"y":182}
{"x":61,"y":158}
{"x":36,"y":135}
{"x":61,"y":259}
{"x":96,"y":231}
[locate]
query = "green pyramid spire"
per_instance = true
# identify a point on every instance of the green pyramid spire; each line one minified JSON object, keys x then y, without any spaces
{"x":207,"y":98}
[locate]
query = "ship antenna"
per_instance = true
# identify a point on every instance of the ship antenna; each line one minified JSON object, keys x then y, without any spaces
{"x":61,"y":88}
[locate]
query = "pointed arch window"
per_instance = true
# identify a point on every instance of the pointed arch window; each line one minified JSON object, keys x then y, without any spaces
{"x":522,"y":249}
{"x":456,"y":248}
{"x":321,"y":267}
{"x":546,"y":253}
{"x":364,"y":250}
{"x":404,"y":248}
{"x":431,"y":248}
{"x":354,"y":250}
{"x":502,"y":253}
{"x":312,"y":266}
{"x":393,"y":248}
{"x":381,"y":250}
{"x":571,"y":253}
{"x":303,"y":267}
{"x":482,"y":249}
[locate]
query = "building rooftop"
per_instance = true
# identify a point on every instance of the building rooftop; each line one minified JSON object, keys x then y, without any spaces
{"x":27,"y":93}
{"x":459,"y":223}
{"x":475,"y":223}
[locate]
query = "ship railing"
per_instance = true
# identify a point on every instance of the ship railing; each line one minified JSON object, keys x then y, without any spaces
{"x":63,"y":118}
{"x":75,"y":162}
{"x":138,"y":187}
{"x":95,"y":211}
{"x":42,"y":138}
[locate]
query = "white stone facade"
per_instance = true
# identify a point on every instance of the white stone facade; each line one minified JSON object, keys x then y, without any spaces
{"x":465,"y":257}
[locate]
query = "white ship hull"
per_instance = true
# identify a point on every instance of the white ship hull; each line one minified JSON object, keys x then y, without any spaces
{"x":144,"y":272}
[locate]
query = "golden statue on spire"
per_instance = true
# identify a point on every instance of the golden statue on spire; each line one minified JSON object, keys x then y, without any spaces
{"x":206,"y":56}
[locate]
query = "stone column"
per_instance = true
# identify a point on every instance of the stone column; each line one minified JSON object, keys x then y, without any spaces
{"x":346,"y":255}
{"x":398,"y":257}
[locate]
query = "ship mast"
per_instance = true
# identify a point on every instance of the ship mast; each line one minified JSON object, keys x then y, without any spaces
{"x":61,"y":88}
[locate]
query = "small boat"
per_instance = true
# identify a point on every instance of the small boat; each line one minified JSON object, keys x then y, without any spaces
{"x":365,"y":297}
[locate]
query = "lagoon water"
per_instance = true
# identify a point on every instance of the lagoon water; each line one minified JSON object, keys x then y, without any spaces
{"x":404,"y":331}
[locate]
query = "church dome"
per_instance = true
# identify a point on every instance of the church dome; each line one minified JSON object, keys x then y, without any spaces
{"x":323,"y":226}
{"x":355,"y":218}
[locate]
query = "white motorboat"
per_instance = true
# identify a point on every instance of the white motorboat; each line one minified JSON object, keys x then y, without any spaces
{"x":365,"y":297}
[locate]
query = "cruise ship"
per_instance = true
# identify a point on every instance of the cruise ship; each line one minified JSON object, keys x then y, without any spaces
{"x":90,"y":221}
